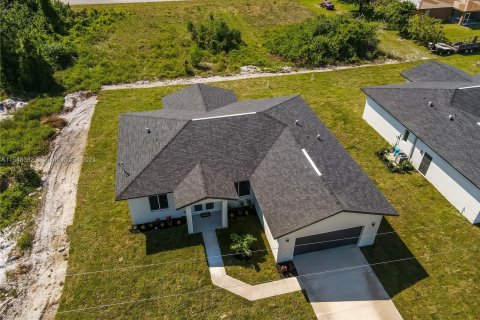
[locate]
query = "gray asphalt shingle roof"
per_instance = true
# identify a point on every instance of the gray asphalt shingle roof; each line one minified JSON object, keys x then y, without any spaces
{"x":436,"y":71}
{"x":198,"y":154}
{"x":457,"y":141}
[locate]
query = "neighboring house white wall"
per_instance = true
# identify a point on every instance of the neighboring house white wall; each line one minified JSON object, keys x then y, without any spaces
{"x":141,"y":212}
{"x":343,"y":220}
{"x":458,"y":190}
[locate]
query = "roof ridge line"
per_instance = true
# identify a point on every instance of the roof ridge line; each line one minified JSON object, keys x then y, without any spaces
{"x":153,"y":159}
{"x":202,"y":173}
{"x":148,"y":117}
{"x":198,"y":85}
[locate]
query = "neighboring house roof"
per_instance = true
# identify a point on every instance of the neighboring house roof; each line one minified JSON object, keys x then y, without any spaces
{"x":200,"y":154}
{"x":457,"y":141}
{"x":436,"y":71}
{"x":435,"y":4}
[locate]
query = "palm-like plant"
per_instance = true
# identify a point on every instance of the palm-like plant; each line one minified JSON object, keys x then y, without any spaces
{"x":241,"y":244}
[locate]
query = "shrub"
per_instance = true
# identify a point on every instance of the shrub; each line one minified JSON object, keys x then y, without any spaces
{"x":215,"y":36}
{"x":241,"y":244}
{"x":24,"y":242}
{"x":425,"y":29}
{"x":325,"y":40}
{"x":395,"y":13}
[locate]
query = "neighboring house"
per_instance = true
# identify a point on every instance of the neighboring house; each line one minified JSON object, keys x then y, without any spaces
{"x":205,"y":151}
{"x":435,"y":120}
{"x":465,"y":12}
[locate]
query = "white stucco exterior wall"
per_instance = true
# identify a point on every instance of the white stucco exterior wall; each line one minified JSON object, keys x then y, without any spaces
{"x":141,"y":213}
{"x":458,"y":190}
{"x":343,"y":220}
{"x":272,"y":242}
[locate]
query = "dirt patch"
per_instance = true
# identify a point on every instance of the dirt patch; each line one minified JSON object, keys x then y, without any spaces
{"x":38,"y":288}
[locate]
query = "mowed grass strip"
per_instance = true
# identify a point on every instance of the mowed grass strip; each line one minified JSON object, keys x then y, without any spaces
{"x":442,"y":286}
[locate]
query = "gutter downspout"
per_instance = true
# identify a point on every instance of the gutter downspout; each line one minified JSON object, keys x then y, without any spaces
{"x":410,"y":154}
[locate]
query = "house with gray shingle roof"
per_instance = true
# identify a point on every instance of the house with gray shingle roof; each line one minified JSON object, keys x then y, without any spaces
{"x":434,"y":118}
{"x":205,"y":153}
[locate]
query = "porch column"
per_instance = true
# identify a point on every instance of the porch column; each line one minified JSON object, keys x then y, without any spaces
{"x":189,"y":219}
{"x":224,"y":214}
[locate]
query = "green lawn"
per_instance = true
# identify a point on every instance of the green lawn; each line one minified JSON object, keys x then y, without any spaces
{"x":457,"y":32}
{"x":258,"y":268}
{"x":443,"y":286}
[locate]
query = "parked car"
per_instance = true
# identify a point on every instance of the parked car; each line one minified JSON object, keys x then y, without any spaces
{"x":327,"y":5}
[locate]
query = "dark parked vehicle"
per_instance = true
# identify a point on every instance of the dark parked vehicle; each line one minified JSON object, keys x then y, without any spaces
{"x":463,"y":46}
{"x":327,"y":5}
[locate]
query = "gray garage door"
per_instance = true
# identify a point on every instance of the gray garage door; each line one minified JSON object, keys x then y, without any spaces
{"x":327,"y":240}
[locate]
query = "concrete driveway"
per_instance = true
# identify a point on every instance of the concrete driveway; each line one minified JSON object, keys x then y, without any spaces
{"x":347,"y":294}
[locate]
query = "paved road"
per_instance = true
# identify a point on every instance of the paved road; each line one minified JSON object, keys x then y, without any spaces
{"x":80,"y":2}
{"x":343,"y":295}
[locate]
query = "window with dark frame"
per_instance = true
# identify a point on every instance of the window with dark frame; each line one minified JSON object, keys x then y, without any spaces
{"x":405,"y":135}
{"x":158,"y":202}
{"x":209,"y":206}
{"x":243,"y":188}
{"x":198,"y":207}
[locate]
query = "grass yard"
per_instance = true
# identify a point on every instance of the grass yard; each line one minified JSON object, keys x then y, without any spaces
{"x":456,"y":32}
{"x":439,"y":286}
{"x":151,"y":41}
{"x":258,"y":268}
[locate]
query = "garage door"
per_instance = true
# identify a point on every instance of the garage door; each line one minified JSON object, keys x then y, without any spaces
{"x":327,"y":240}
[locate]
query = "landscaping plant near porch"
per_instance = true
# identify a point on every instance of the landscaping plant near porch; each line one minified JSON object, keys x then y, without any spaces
{"x":241,"y":244}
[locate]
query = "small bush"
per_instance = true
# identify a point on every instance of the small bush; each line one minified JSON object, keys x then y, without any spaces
{"x":325,"y":40}
{"x":424,"y":29}
{"x":241,"y":244}
{"x":24,"y":242}
{"x":215,"y":36}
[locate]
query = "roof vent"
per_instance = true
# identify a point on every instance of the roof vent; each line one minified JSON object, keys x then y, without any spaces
{"x":451,"y":117}
{"x":430,"y":103}
{"x":319,"y":137}
{"x":297,"y":122}
{"x":147,"y":130}
{"x":123,"y":169}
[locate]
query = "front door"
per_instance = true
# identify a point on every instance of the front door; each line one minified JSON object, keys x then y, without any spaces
{"x":426,"y":160}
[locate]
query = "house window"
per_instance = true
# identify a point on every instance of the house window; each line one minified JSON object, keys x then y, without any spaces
{"x":198,"y":207}
{"x":158,"y":202}
{"x":209,"y":206}
{"x":405,"y":135}
{"x":243,"y":188}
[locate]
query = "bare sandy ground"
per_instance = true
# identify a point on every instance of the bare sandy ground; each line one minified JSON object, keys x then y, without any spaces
{"x":39,"y":290}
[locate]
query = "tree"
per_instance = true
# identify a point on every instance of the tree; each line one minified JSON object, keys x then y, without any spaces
{"x":31,"y":43}
{"x":361,"y":3}
{"x":394,"y":12}
{"x":241,"y":244}
{"x":425,"y":29}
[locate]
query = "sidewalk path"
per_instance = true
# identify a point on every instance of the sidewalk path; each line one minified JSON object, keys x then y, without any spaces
{"x":221,"y":279}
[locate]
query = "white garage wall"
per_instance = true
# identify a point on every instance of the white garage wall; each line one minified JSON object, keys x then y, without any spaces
{"x":141,"y":213}
{"x":343,"y":220}
{"x":457,"y":189}
{"x":272,"y":242}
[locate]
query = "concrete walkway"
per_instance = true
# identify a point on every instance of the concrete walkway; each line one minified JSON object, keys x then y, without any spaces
{"x":221,"y":279}
{"x":352,"y":293}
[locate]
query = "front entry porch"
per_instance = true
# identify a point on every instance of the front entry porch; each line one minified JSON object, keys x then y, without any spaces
{"x":207,"y":215}
{"x":208,"y":221}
